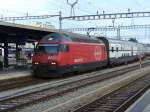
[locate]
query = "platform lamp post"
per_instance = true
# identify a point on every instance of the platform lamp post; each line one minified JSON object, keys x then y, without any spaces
{"x":118,"y":33}
{"x":6,"y":54}
{"x":17,"y":51}
{"x":60,"y":20}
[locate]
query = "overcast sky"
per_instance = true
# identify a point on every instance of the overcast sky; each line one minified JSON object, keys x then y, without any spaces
{"x":41,"y":7}
{"x":19,"y":7}
{"x":83,"y":7}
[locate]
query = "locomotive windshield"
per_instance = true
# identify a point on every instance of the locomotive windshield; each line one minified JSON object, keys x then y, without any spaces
{"x":50,"y":49}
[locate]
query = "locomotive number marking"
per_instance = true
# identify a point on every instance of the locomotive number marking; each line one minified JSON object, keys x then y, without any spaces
{"x":78,"y":60}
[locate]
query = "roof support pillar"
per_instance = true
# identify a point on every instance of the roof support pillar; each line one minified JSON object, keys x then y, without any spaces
{"x":6,"y":54}
{"x":17,"y":51}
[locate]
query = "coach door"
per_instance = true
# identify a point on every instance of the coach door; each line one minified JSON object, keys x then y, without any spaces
{"x":131,"y":51}
{"x":117,"y":48}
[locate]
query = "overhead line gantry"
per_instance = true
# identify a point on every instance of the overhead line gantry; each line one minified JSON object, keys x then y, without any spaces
{"x":109,"y":16}
{"x":108,"y":28}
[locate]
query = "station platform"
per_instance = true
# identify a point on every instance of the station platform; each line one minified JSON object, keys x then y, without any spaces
{"x":142,"y":104}
{"x":11,"y":73}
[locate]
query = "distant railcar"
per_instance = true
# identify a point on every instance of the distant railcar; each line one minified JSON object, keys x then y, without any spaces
{"x":121,"y":51}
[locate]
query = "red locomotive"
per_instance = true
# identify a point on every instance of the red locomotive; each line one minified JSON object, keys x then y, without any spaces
{"x":58,"y":53}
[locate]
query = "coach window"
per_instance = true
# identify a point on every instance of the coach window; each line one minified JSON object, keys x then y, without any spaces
{"x":117,"y":49}
{"x":112,"y":49}
{"x":121,"y":48}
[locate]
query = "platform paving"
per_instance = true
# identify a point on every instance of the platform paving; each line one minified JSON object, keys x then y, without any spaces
{"x":142,"y":104}
{"x":11,"y":73}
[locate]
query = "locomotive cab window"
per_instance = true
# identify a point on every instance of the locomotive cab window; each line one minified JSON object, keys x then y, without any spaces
{"x":47,"y":48}
{"x":64,"y":48}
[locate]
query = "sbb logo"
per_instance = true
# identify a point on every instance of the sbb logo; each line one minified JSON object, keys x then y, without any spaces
{"x":52,"y":57}
{"x":97,"y":53}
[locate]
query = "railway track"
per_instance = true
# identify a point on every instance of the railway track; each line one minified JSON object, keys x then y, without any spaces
{"x":119,"y":100}
{"x":19,"y":83}
{"x":39,"y":94}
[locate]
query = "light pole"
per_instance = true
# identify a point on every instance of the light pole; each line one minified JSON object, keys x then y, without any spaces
{"x":60,"y":21}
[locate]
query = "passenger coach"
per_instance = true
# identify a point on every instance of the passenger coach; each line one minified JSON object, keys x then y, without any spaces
{"x":121,"y":51}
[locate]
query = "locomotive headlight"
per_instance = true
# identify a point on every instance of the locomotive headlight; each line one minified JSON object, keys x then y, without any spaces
{"x":36,"y":63}
{"x":53,"y":63}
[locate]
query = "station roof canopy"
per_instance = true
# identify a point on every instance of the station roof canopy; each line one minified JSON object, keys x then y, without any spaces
{"x":13,"y":33}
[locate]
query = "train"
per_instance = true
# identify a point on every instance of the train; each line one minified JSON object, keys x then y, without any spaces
{"x":62,"y":52}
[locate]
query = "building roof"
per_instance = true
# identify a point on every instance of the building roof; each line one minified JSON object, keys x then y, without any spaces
{"x":13,"y":32}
